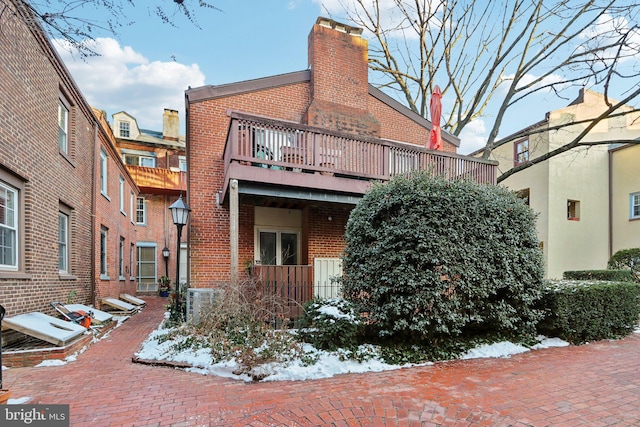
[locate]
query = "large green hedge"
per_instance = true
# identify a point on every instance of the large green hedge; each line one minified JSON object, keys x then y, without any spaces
{"x":608,"y":275}
{"x":581,"y":311}
{"x":428,"y":259}
{"x":626,"y":259}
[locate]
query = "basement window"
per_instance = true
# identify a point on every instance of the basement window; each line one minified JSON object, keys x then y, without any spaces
{"x":573,"y":210}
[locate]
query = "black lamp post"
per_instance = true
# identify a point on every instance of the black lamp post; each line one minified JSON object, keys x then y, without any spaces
{"x":180,"y":214}
{"x":165,"y":255}
{"x":2,"y":312}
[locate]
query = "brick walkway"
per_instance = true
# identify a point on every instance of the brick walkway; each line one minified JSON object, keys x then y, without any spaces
{"x":592,"y":385}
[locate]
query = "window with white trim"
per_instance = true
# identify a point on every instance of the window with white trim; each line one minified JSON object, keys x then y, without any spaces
{"x":122,"y":195}
{"x":139,"y":160}
{"x":141,"y":212}
{"x":132,"y":206}
{"x":182,"y":163}
{"x":121,"y":259}
{"x":8,"y":227}
{"x":103,"y":173}
{"x":103,"y":252}
{"x":634,"y":205}
{"x":125,"y":128}
{"x":521,"y":151}
{"x":63,"y":127}
{"x":63,"y":242}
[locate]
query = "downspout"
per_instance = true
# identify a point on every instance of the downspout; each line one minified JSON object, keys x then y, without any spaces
{"x":610,"y":174}
{"x":187,"y":184}
{"x":93,"y":214}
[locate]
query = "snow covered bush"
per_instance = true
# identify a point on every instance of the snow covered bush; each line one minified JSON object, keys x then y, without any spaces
{"x":626,"y":259}
{"x":330,"y":324}
{"x":581,"y":311}
{"x":429,"y":259}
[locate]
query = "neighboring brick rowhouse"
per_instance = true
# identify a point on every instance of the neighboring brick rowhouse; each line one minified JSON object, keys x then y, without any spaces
{"x":32,"y":81}
{"x":49,"y":181}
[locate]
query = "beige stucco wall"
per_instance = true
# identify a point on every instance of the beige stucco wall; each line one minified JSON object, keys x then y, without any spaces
{"x":580,"y":174}
{"x":625,"y":181}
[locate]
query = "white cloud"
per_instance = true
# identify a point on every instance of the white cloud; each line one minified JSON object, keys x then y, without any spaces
{"x":121,"y":79}
{"x":473,"y":137}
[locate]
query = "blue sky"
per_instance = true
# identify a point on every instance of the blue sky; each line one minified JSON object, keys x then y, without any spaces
{"x":149,"y":64}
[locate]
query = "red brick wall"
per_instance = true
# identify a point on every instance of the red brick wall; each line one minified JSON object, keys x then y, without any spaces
{"x":30,"y":83}
{"x":118,"y":223}
{"x":209,"y":223}
{"x":342,"y":103}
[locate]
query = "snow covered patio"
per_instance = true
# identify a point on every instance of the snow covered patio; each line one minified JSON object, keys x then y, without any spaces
{"x":594,"y":384}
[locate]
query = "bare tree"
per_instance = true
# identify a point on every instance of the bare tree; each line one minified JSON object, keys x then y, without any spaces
{"x":487,"y":56}
{"x":71,"y":20}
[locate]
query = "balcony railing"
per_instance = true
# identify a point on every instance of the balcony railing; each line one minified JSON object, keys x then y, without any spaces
{"x":280,"y":145}
{"x":157,"y":179}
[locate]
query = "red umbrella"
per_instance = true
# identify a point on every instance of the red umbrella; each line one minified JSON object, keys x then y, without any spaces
{"x":435,"y":137}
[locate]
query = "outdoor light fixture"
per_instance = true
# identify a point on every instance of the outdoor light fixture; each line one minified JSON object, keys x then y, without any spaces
{"x":165,"y":255}
{"x":180,"y":214}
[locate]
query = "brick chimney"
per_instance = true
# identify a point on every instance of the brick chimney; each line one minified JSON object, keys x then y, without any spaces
{"x":338,"y":58}
{"x":170,"y":125}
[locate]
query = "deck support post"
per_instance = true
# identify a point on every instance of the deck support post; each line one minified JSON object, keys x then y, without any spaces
{"x":234,"y":219}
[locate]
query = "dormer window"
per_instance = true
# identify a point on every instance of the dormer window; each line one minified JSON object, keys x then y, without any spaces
{"x":124,"y":129}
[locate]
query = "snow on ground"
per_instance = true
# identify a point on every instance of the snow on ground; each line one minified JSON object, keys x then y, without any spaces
{"x":328,"y":363}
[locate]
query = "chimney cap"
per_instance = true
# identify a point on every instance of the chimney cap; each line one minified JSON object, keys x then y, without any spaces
{"x":343,"y":28}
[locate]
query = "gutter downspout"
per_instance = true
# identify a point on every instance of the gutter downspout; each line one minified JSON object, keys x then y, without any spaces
{"x":610,"y":174}
{"x":93,"y":214}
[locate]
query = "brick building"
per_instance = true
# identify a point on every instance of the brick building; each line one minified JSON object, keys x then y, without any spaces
{"x":276,"y":164}
{"x":50,"y":149}
{"x":157,"y":162}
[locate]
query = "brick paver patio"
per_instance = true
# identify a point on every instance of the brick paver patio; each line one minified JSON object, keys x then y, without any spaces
{"x":593,"y":385}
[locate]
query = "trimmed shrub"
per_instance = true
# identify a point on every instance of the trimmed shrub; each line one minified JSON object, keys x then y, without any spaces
{"x":586,"y":311}
{"x":330,"y":324}
{"x":626,"y":259}
{"x":428,"y":259}
{"x":607,"y":275}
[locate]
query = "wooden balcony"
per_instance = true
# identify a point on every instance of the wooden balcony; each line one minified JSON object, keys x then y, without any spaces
{"x":158,"y":180}
{"x":269,"y":151}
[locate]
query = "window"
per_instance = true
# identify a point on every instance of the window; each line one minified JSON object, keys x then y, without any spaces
{"x":182,"y":163}
{"x":634,"y":205}
{"x":63,"y":242}
{"x":147,"y":280}
{"x":141,"y":213}
{"x":521,"y":151}
{"x":124,"y":130}
{"x":132,"y":206}
{"x":103,"y":253}
{"x":122,"y":195}
{"x":121,"y":259}
{"x":139,"y":160}
{"x":278,"y":247}
{"x":573,"y":210}
{"x":8,"y":227}
{"x":63,"y":126}
{"x":524,"y":195}
{"x":103,"y":172}
{"x":131,"y":258}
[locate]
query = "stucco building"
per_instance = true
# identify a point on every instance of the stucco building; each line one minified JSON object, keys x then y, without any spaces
{"x":582,"y":196}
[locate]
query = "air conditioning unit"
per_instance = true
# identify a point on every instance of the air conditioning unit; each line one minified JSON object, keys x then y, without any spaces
{"x":197,"y":298}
